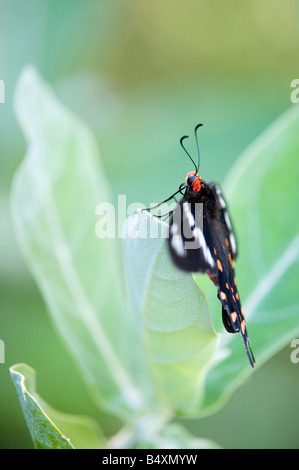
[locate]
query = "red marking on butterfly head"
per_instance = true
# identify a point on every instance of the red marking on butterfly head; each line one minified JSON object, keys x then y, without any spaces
{"x":193,"y":181}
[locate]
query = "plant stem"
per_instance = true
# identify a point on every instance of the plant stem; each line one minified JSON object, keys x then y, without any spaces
{"x":145,"y":429}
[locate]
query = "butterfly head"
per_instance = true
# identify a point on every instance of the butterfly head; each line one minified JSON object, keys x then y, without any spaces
{"x":193,"y":181}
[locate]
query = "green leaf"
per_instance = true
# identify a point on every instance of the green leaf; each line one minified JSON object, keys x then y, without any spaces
{"x":262,"y":191}
{"x":54,"y":196}
{"x":172,"y":316}
{"x":49,"y":427}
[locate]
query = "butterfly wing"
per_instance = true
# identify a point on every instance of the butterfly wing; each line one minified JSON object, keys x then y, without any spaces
{"x":188,"y":244}
{"x":225,"y":220}
{"x":225,"y":280}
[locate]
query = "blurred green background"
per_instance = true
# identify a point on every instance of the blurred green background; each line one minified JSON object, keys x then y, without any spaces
{"x":142,"y":74}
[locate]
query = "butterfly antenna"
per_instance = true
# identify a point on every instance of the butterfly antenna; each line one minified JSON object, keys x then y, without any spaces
{"x":196,"y":138}
{"x":181,"y":142}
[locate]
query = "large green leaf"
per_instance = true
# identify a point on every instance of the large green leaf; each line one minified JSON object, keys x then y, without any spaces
{"x":172,"y":316}
{"x":262,"y":191}
{"x":49,"y":428}
{"x":54,"y":196}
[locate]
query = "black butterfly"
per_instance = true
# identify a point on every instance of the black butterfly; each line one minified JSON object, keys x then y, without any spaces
{"x":201,"y":239}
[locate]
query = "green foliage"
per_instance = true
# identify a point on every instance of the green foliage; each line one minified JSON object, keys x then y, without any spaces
{"x":157,"y":355}
{"x":40,"y":417}
{"x":171,"y":313}
{"x":262,"y":193}
{"x":54,"y":196}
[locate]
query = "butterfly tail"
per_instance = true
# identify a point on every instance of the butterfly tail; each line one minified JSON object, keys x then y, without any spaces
{"x":248,"y":347}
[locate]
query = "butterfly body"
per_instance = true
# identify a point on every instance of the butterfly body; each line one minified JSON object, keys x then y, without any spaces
{"x":201,"y":239}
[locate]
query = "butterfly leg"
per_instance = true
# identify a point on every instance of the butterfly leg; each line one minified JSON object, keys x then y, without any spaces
{"x":168,"y":199}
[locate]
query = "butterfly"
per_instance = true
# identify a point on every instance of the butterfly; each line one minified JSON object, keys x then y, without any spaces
{"x":201,"y":239}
